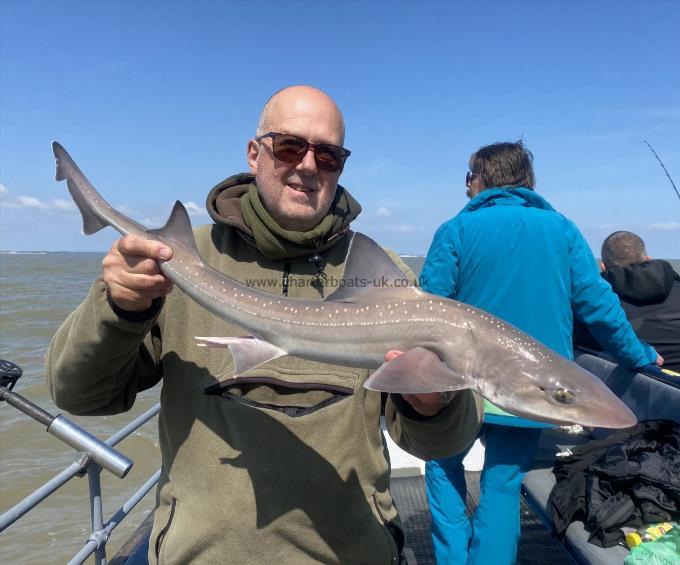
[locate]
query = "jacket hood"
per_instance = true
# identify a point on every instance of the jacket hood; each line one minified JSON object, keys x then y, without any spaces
{"x":224,"y":201}
{"x":507,"y":197}
{"x":231,"y":201}
{"x":648,"y":282}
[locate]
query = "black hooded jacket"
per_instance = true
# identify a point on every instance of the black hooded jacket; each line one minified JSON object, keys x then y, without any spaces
{"x":650,"y":295}
{"x":629,"y":478}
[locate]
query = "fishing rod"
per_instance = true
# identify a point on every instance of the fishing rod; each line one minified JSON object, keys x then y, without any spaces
{"x":663,"y":167}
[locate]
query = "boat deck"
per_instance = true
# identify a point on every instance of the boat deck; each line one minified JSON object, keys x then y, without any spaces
{"x":536,"y":547}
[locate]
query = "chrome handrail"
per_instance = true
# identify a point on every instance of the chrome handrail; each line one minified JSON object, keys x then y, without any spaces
{"x":101,"y":532}
{"x":94,"y":453}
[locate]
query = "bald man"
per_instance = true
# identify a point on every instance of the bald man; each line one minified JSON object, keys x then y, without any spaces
{"x":284,"y":464}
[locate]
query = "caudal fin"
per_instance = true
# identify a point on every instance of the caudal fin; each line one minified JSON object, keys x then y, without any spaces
{"x":78,"y":186}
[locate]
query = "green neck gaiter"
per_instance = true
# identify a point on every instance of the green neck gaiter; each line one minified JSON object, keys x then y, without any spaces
{"x":274,"y":242}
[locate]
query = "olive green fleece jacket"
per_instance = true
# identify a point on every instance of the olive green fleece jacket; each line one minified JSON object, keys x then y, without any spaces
{"x":284,"y":465}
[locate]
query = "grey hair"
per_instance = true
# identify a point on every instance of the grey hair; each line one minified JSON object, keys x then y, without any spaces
{"x":623,"y":248}
{"x":263,"y":119}
{"x":504,"y":164}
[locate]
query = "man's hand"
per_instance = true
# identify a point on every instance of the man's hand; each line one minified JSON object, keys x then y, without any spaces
{"x":427,"y":404}
{"x":132,"y":275}
{"x":659,"y":360}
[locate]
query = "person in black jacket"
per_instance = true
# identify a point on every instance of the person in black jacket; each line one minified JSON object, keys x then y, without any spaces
{"x":649,"y":290}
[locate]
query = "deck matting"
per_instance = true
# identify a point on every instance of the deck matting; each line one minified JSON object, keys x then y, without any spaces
{"x":536,"y":546}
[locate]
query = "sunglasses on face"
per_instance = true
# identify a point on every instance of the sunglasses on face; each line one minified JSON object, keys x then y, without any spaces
{"x":469,"y":176}
{"x":292,"y":149}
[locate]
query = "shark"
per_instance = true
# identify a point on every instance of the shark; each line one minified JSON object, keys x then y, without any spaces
{"x":447,"y":345}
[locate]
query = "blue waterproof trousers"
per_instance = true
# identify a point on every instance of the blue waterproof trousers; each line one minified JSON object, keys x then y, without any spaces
{"x":495,"y":531}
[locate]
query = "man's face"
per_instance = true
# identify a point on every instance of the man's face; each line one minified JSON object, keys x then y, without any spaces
{"x":476,"y":186}
{"x":297,"y":195}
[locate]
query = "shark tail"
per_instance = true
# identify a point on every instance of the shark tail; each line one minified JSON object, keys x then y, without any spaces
{"x":66,"y":170}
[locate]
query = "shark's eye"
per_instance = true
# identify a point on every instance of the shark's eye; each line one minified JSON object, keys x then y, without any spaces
{"x":564,"y":395}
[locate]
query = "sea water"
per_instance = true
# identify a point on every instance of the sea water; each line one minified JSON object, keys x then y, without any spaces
{"x":37,"y":292}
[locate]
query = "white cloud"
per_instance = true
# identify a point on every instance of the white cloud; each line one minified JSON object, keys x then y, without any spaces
{"x":665,"y":226}
{"x":59,"y":204}
{"x":402,"y":228}
{"x":3,"y":188}
{"x":11,"y":201}
{"x":194,"y":209}
{"x":31,"y":202}
{"x":383,"y":212}
{"x":153,"y":222}
{"x":125,"y":209}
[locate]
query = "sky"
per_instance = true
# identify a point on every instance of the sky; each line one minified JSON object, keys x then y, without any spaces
{"x":156,"y":101}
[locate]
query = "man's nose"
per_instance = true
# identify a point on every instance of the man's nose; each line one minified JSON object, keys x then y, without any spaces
{"x":308,"y":163}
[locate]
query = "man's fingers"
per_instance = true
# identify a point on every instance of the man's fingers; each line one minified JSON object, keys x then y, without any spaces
{"x":430,"y":403}
{"x":127,"y":294}
{"x":143,"y":281}
{"x":141,"y":295}
{"x":393,"y":354}
{"x":132,"y":274}
{"x":139,"y":247}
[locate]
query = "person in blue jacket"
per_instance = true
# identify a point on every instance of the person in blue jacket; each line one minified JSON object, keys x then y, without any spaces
{"x":510,"y":253}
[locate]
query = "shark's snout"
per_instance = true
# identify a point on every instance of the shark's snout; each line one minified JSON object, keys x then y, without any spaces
{"x":583,"y":399}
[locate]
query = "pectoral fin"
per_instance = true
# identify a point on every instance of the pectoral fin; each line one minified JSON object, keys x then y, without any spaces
{"x":248,"y":352}
{"x":415,"y":372}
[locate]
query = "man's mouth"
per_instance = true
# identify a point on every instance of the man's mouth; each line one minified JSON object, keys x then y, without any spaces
{"x":300,"y":188}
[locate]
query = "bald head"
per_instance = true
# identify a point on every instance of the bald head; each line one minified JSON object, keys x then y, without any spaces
{"x":296,"y":193}
{"x":623,"y":248}
{"x":288,"y":102}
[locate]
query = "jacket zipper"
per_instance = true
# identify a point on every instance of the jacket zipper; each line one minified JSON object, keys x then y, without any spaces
{"x":286,"y":276}
{"x":391,"y":542}
{"x":164,"y":531}
{"x":219,"y":388}
{"x":285,"y":384}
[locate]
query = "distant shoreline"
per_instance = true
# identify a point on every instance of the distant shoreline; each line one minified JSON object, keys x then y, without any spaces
{"x":45,"y":252}
{"x":676,"y":261}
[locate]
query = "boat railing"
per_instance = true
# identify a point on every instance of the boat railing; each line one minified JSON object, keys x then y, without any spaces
{"x":94,"y":455}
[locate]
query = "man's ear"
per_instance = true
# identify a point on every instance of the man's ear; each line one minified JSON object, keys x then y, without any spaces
{"x":252,"y":152}
{"x":603,"y":269}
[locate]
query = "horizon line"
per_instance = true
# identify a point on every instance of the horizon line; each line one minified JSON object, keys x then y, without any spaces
{"x":44,"y":251}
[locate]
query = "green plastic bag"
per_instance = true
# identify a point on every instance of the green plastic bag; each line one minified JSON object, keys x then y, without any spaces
{"x":663,"y":551}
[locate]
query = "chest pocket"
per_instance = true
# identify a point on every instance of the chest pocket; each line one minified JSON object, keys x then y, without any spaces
{"x":291,"y":399}
{"x":287,"y":387}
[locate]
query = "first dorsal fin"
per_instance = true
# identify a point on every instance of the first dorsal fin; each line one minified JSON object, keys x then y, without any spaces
{"x":177,"y":230}
{"x":371,"y":276}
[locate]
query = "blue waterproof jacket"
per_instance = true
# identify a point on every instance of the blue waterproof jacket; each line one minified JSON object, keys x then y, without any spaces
{"x":510,"y":253}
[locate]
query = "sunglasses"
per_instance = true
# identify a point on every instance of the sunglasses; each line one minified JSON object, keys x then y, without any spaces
{"x":469,"y":176}
{"x":292,"y":149}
